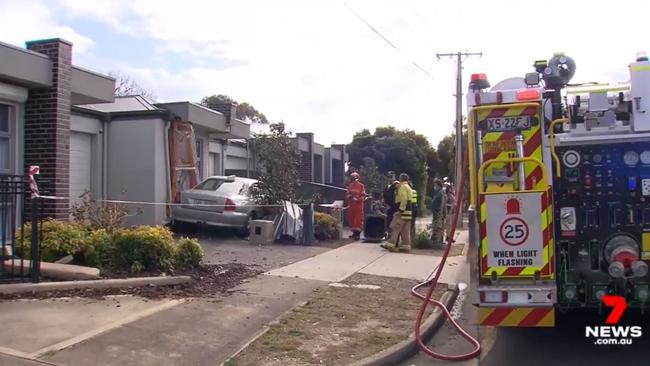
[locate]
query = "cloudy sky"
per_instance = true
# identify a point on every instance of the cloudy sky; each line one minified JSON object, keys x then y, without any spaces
{"x":317,"y":66}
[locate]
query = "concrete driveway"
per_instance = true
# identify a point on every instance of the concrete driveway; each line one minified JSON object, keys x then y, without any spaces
{"x":223,"y":246}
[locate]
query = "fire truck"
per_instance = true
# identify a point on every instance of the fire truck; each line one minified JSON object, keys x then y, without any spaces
{"x":559,"y":192}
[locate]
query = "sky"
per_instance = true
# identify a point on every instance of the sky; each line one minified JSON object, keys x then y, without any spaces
{"x":317,"y":66}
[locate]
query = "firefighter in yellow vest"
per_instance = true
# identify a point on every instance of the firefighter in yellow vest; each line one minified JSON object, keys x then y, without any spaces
{"x":414,"y":209}
{"x":401,"y":223}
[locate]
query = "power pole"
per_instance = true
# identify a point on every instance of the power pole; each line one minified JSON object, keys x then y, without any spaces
{"x":460,"y":58}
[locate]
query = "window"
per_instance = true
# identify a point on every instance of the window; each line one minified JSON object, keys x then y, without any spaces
{"x":209,"y":185}
{"x":223,"y":187}
{"x":199,"y":157}
{"x":5,"y":139}
{"x":229,"y":189}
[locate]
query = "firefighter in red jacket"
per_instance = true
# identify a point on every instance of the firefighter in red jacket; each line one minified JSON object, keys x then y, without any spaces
{"x":356,"y":195}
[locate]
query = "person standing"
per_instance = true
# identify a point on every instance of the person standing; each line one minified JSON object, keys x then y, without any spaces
{"x":438,"y":209}
{"x":389,"y":200}
{"x":401,"y":223}
{"x":356,"y":195}
{"x":414,"y":209}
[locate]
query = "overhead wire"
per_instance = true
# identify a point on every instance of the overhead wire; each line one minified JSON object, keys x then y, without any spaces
{"x":380,"y":35}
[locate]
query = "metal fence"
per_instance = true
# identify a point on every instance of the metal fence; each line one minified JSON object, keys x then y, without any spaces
{"x":20,"y":230}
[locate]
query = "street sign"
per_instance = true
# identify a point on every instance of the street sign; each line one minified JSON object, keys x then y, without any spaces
{"x":513,"y":227}
{"x":513,"y":231}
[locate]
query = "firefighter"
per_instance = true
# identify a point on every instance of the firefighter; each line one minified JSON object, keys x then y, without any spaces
{"x":356,"y":195}
{"x":414,"y":208}
{"x":438,"y":208}
{"x":401,"y":223}
{"x":389,"y":200}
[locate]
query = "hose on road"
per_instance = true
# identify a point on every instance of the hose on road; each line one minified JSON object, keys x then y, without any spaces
{"x":432,"y":283}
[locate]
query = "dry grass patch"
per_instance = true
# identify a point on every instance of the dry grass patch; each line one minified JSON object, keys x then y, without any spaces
{"x":456,"y":249}
{"x":339,"y":325}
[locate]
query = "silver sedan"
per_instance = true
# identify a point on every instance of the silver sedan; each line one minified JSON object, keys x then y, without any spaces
{"x":223,"y":201}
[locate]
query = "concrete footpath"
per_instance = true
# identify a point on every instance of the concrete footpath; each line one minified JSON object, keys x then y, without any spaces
{"x":126,"y":330}
{"x":337,"y":265}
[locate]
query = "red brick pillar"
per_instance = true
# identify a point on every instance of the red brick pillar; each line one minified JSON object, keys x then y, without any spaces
{"x":47,"y":126}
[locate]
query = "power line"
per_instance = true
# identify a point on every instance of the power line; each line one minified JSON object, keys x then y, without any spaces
{"x":391,"y":44}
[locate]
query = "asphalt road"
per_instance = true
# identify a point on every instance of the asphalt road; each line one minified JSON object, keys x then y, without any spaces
{"x":565,"y":344}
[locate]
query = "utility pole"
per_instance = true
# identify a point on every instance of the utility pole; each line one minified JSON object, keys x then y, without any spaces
{"x":460,"y":58}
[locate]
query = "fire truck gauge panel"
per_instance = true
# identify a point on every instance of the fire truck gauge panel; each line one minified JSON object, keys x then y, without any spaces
{"x":631,"y":158}
{"x":571,"y":159}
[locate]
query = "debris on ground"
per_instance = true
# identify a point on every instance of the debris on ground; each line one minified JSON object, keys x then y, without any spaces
{"x":339,"y":325}
{"x":208,"y":281}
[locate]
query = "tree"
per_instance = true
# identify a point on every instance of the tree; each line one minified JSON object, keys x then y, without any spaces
{"x":126,"y":85}
{"x":400,"y":151}
{"x":446,"y":155}
{"x":277,"y":166}
{"x":245,"y":111}
{"x":373,"y":180}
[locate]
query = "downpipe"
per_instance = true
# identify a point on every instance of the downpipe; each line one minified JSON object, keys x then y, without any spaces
{"x":432,"y":283}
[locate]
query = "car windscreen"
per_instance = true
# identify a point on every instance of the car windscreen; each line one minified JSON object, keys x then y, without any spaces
{"x":209,"y":184}
{"x":228,"y":189}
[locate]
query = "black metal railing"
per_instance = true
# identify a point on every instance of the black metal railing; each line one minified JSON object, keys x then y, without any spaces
{"x":20,"y":230}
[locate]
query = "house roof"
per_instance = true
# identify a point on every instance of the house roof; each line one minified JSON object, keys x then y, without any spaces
{"x":127,"y":103}
{"x":30,"y":69}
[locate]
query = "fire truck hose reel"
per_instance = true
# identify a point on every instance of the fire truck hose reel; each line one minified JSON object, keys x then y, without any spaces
{"x":432,"y":283}
{"x":622,"y":254}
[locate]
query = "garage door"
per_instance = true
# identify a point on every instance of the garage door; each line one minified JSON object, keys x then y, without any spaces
{"x":80,"y":154}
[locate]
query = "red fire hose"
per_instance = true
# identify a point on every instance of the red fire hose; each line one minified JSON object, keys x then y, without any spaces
{"x":426,"y":299}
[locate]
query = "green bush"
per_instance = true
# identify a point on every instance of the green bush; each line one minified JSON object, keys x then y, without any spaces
{"x":188,"y":253}
{"x":144,"y":248}
{"x":325,"y":226}
{"x":422,"y":239}
{"x":59,"y":239}
{"x":99,"y":251}
{"x":149,"y":248}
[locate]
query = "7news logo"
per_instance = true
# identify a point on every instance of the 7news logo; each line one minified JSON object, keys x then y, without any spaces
{"x":611,"y":333}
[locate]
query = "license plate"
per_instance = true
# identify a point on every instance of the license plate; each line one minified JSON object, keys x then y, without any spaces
{"x":508,"y":123}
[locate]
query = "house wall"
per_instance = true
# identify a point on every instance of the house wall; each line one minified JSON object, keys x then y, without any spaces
{"x":327,"y":166}
{"x":137,"y":167}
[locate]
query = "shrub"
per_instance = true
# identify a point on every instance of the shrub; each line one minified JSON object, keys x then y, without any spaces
{"x":59,"y":239}
{"x":325,"y":226}
{"x":99,"y":251}
{"x":188,"y":253}
{"x":97,"y":215}
{"x":422,"y":239}
{"x":149,"y":248}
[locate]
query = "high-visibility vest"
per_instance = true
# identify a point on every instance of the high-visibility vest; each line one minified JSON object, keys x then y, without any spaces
{"x":414,"y":199}
{"x":406,"y":214}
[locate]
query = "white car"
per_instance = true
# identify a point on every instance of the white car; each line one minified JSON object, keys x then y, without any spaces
{"x":223,"y":201}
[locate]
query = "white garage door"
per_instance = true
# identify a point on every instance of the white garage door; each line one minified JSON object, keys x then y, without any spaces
{"x":80,"y":154}
{"x":236,"y":163}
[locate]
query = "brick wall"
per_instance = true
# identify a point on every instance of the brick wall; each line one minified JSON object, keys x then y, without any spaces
{"x":305,"y":167}
{"x":306,"y":157}
{"x":229,"y":110}
{"x":47,"y":126}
